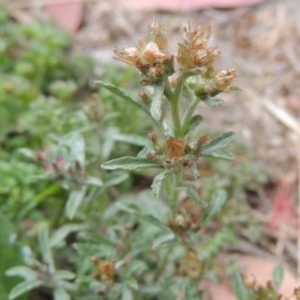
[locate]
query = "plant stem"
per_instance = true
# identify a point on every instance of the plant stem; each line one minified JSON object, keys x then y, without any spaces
{"x":189,"y":113}
{"x":173,"y":100}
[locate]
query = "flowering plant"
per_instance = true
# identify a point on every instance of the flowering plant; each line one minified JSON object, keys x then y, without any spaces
{"x":175,"y":86}
{"x":171,"y":101}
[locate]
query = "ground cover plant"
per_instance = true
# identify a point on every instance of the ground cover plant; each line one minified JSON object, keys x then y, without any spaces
{"x":85,"y":232}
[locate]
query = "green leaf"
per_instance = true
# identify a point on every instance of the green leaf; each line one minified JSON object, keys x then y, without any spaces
{"x":123,"y":95}
{"x":132,"y":283}
{"x":45,"y":246}
{"x":130,"y":139}
{"x":194,"y":197}
{"x":11,"y":258}
{"x":156,"y":108}
{"x":215,"y":205}
{"x":28,"y":153}
{"x":193,"y":123}
{"x":24,"y":287}
{"x":130,"y":163}
{"x":74,"y":201}
{"x":213,"y":102}
{"x":115,"y":178}
{"x":61,"y":294}
{"x":277,"y":276}
{"x":136,"y":268}
{"x":60,"y":234}
{"x":157,"y":183}
{"x":22,"y":271}
{"x":194,"y":170}
{"x":217,"y":143}
{"x":65,"y":275}
{"x":234,"y":88}
{"x":238,"y":286}
{"x":127,"y":294}
{"x":163,"y":239}
{"x":222,"y":153}
{"x":94,"y":181}
{"x":76,"y":143}
{"x":142,"y":216}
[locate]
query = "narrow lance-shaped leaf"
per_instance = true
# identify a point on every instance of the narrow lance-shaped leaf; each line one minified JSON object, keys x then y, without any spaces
{"x":76,"y":143}
{"x":156,"y":108}
{"x":61,"y":294}
{"x":123,"y":95}
{"x":213,"y":102}
{"x":24,"y":287}
{"x":130,"y":139}
{"x":194,"y":197}
{"x":163,"y":239}
{"x":157,"y":183}
{"x":194,"y":170}
{"x":145,"y":217}
{"x":60,"y":234}
{"x":65,"y":275}
{"x":130,"y":163}
{"x":132,"y":283}
{"x":222,"y":153}
{"x":277,"y":276}
{"x":45,"y":246}
{"x":217,"y":143}
{"x":127,"y":294}
{"x":114,"y":178}
{"x":94,"y":181}
{"x":75,"y":199}
{"x":238,"y":286}
{"x":215,"y":205}
{"x":192,"y":124}
{"x":22,"y":271}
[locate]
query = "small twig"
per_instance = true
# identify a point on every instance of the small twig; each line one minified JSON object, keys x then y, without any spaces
{"x":283,"y":116}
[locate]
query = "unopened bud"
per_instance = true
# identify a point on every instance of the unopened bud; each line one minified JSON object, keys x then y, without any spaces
{"x":180,"y":221}
{"x":152,"y":136}
{"x":249,"y":280}
{"x":203,"y":139}
{"x":143,"y":96}
{"x":150,"y":155}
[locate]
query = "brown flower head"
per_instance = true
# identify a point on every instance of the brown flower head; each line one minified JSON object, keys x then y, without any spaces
{"x":175,"y":147}
{"x":151,"y":53}
{"x":157,"y":34}
{"x":107,"y":267}
{"x":224,"y":79}
{"x":128,"y":55}
{"x":194,"y":51}
{"x":206,"y":56}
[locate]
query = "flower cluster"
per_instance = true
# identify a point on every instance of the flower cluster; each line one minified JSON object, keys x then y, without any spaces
{"x":59,"y":167}
{"x":195,"y":51}
{"x":148,"y":56}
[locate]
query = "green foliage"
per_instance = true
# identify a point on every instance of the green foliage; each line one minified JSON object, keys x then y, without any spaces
{"x":10,"y":255}
{"x":100,"y":233}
